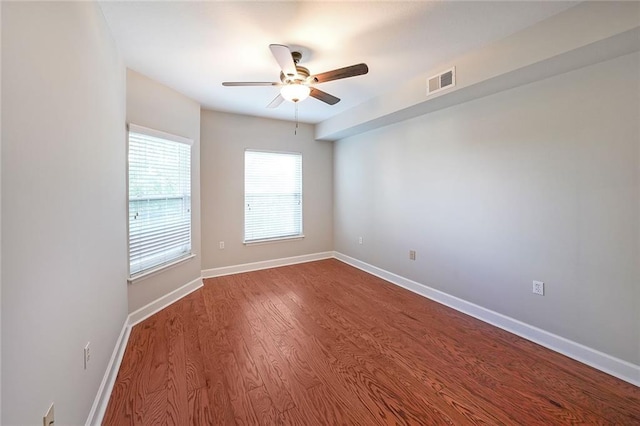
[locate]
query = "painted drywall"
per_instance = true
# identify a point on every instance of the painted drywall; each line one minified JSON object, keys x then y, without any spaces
{"x":153,"y":105}
{"x":64,"y":208}
{"x":224,"y":138}
{"x":0,"y":216}
{"x":539,"y":182}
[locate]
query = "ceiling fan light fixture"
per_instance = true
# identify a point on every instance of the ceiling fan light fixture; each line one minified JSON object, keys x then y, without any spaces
{"x":295,"y":92}
{"x":296,"y":82}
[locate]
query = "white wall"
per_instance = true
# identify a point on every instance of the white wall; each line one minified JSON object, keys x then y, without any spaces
{"x":63,"y":210}
{"x":224,"y":139}
{"x":539,"y":182}
{"x":153,"y":105}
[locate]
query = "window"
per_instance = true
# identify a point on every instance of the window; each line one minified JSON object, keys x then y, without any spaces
{"x":272,"y":195}
{"x":159,"y":199}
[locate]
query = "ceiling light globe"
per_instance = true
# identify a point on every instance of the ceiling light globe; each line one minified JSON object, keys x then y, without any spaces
{"x":295,"y":92}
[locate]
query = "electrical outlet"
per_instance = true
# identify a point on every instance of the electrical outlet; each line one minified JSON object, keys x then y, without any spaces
{"x":538,"y":288}
{"x":221,"y":245}
{"x":359,"y":240}
{"x":412,"y":255}
{"x":87,"y":355}
{"x":48,"y":419}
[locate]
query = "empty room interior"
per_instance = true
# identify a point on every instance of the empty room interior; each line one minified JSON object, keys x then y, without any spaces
{"x":320,"y":213}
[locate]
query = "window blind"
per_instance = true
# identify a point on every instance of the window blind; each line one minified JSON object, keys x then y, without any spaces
{"x":159,"y":199}
{"x":272,"y":195}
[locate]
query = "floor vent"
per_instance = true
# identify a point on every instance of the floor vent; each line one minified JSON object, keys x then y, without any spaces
{"x":441,"y":81}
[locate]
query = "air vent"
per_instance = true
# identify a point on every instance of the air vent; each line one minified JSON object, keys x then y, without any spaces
{"x":441,"y":81}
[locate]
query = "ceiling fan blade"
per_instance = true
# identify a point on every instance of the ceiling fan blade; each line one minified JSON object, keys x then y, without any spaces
{"x":284,"y":58}
{"x":275,"y":103}
{"x":345,"y":72}
{"x":324,"y":96}
{"x":249,"y":83}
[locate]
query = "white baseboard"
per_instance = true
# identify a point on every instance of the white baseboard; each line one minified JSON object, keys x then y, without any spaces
{"x":104,"y":391}
{"x":101,"y":401}
{"x":164,"y":301}
{"x":611,"y":365}
{"x":266,"y":264}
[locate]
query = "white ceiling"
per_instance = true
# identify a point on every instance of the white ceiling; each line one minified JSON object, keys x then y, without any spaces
{"x":194,"y":46}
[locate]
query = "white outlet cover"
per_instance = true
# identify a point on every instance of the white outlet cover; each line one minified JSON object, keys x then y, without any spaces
{"x":87,"y":355}
{"x":538,"y":288}
{"x":48,"y":418}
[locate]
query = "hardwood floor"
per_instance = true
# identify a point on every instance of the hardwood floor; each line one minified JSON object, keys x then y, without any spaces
{"x":323,"y":343}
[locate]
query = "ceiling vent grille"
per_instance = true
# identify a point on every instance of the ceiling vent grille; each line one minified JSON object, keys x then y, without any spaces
{"x":441,"y":81}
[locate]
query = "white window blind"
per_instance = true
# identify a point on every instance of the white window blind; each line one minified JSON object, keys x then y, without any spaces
{"x":159,"y":199}
{"x":272,"y":195}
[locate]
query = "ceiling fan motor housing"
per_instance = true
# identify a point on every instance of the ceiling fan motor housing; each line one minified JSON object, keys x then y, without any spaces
{"x":301,"y":76}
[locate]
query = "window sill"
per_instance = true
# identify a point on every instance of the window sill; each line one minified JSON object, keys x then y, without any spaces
{"x":273,"y":240}
{"x":146,"y":274}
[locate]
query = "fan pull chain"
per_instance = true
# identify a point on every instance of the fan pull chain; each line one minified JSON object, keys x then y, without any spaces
{"x":295,"y":132}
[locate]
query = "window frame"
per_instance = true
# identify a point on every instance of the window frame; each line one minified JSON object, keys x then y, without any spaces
{"x":270,"y":240}
{"x":152,"y":270}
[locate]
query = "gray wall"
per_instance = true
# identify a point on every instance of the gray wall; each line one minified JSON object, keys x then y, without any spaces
{"x":153,"y":105}
{"x":0,"y":217}
{"x":224,"y":139}
{"x":540,"y":182}
{"x":64,"y":208}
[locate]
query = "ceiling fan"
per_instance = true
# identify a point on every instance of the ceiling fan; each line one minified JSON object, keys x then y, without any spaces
{"x":296,"y":82}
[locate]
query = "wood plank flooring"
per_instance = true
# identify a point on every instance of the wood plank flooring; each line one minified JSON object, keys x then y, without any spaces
{"x":323,"y":343}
